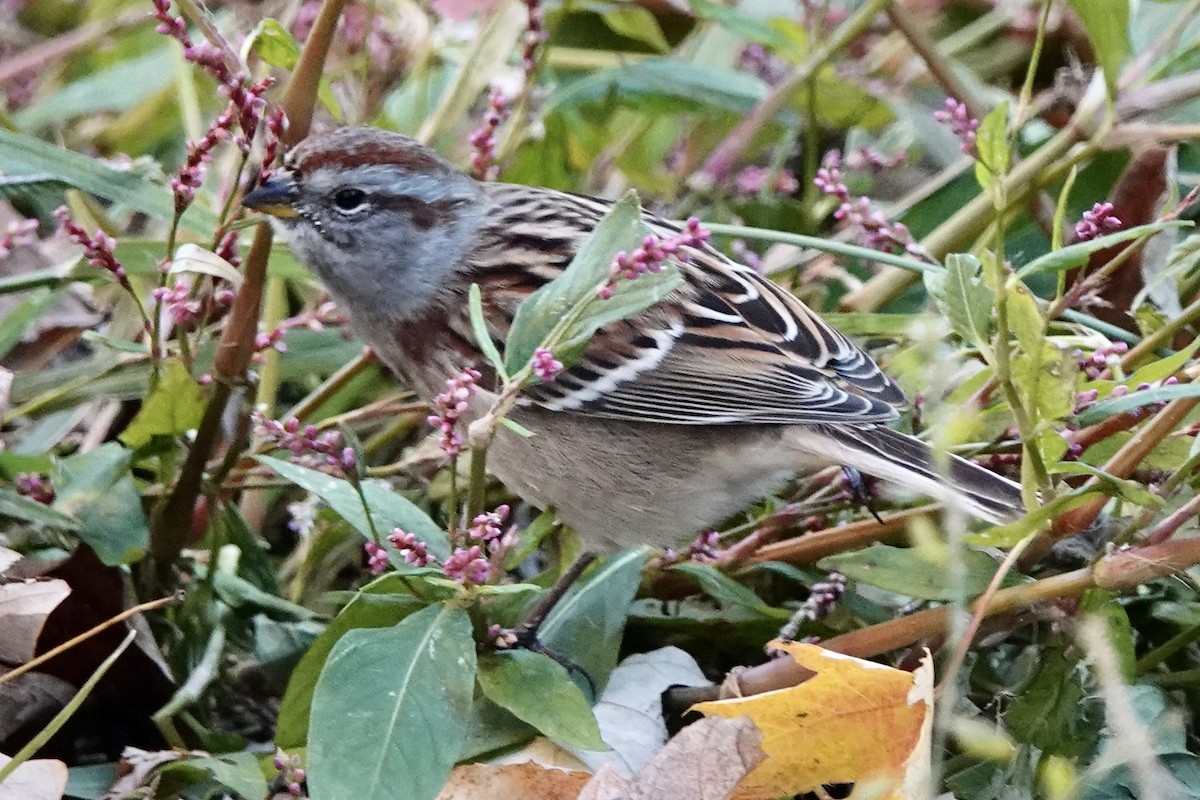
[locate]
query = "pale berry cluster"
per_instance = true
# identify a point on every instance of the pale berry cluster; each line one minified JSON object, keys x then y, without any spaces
{"x":653,"y":254}
{"x":35,"y":487}
{"x":1096,"y":222}
{"x":291,"y":776}
{"x":1101,"y":359}
{"x":545,"y":365}
{"x":754,"y":180}
{"x":879,"y":232}
{"x":483,"y":140}
{"x":964,"y":126}
{"x":20,"y":233}
{"x":97,"y":249}
{"x":450,"y":405}
{"x":322,"y":451}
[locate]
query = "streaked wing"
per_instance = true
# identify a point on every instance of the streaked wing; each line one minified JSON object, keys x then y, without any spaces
{"x":729,"y":347}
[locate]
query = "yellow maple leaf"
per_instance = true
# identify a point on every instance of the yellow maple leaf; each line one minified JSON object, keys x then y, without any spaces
{"x":855,"y":721}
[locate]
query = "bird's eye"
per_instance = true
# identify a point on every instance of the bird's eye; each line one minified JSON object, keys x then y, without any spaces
{"x":349,"y":199}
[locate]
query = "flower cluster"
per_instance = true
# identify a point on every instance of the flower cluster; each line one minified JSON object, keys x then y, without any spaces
{"x":414,"y":551}
{"x":483,"y":140}
{"x":450,"y":405}
{"x":653,"y":254}
{"x":535,"y":35}
{"x":857,"y":212}
{"x":199,"y":153}
{"x":314,"y":319}
{"x":762,"y":63}
{"x":290,"y":778}
{"x":322,"y":451}
{"x":1101,"y":359}
{"x":962,"y":123}
{"x":486,"y":539}
{"x":1097,"y":222}
{"x":97,"y":249}
{"x":545,"y":365}
{"x":471,"y":562}
{"x":868,"y":159}
{"x":35,"y":487}
{"x":820,"y":603}
{"x":20,"y":233}
{"x":377,"y":557}
{"x":182,"y":307}
{"x":753,"y":180}
{"x":245,"y":98}
{"x":227,"y":249}
{"x":275,"y":127}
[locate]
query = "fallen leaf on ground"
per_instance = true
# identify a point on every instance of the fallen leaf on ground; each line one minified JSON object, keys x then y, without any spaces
{"x":707,"y":760}
{"x":41,"y":779}
{"x":855,"y":721}
{"x":629,"y":711}
{"x":528,"y":781}
{"x":24,"y":607}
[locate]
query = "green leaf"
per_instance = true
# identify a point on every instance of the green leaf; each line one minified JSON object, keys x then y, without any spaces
{"x":482,"y":337}
{"x":1107,"y":26}
{"x":1126,"y":489}
{"x":238,"y":772}
{"x":369,"y":609}
{"x":388,"y":509}
{"x":18,"y":321}
{"x":1025,"y":318}
{"x":665,"y":84}
{"x":1076,"y":254}
{"x":21,"y":154}
{"x":274,"y":44}
{"x":173,"y":407}
{"x":621,"y":229}
{"x":991,"y":142}
{"x":635,"y":22}
{"x":737,"y":21}
{"x":587,"y":624}
{"x":389,"y":714}
{"x":97,"y":488}
{"x":1046,"y":378}
{"x":1119,"y":405}
{"x":1107,"y":606}
{"x":115,"y":89}
{"x":854,"y":323}
{"x":907,"y":571}
{"x":1055,"y":712}
{"x":16,"y":506}
{"x":964,"y":298}
{"x":538,"y":690}
{"x":727,"y":591}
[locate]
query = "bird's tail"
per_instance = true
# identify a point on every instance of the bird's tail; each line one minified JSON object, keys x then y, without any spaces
{"x":908,"y":461}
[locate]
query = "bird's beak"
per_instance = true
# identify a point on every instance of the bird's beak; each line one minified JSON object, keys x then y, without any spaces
{"x":276,"y":197}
